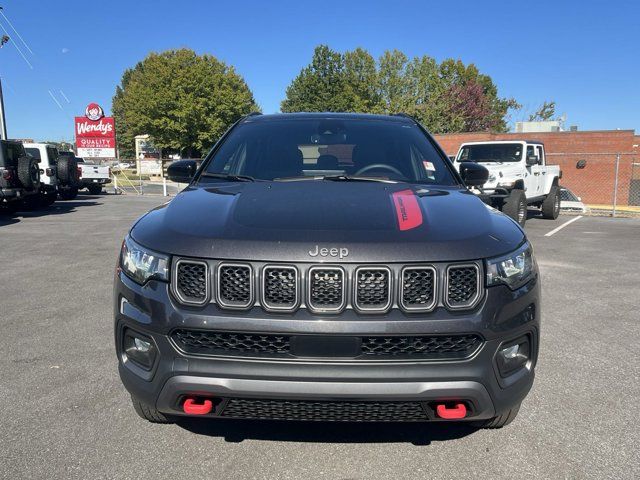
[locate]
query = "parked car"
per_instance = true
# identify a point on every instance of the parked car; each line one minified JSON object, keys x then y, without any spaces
{"x":571,"y":202}
{"x":59,"y":174}
{"x":92,"y":177}
{"x":518,"y":176}
{"x":327,"y":267}
{"x":19,"y":175}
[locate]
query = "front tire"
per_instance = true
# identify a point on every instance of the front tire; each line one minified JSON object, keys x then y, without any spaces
{"x":515,"y":206}
{"x":501,"y":420}
{"x":149,"y":413}
{"x":551,"y":204}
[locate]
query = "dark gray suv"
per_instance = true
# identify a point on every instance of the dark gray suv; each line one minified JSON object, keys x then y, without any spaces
{"x":327,"y":267}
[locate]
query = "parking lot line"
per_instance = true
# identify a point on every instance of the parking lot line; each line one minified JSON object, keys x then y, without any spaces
{"x":557,"y":229}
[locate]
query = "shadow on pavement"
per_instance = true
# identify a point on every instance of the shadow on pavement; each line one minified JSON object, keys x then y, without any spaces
{"x":58,"y":208}
{"x":326,"y":432}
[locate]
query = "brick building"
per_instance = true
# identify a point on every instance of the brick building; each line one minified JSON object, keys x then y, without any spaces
{"x":595,"y":182}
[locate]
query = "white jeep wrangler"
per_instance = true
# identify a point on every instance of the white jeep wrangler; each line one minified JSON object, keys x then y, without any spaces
{"x":518,"y":176}
{"x":59,"y":175}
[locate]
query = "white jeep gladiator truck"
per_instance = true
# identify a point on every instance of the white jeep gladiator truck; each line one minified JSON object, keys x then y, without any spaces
{"x":518,"y":176}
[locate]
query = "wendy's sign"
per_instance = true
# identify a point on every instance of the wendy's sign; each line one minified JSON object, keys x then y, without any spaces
{"x":95,"y":133}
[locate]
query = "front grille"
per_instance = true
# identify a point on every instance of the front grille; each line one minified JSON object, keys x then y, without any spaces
{"x":326,"y":411}
{"x":373,"y":289}
{"x":326,"y":289}
{"x":418,"y":288}
{"x":191,"y":281}
{"x":280,"y":288}
{"x":425,"y":347}
{"x":224,"y":343}
{"x":235,"y":285}
{"x":462,"y":286}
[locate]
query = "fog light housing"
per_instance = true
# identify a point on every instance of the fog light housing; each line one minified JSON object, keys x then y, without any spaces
{"x":513,"y":356}
{"x":139,"y":349}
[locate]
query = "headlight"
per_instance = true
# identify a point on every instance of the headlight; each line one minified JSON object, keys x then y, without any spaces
{"x":513,"y":270}
{"x":141,"y":264}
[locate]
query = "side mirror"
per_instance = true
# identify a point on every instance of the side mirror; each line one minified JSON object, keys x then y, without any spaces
{"x":182,"y":171}
{"x":474,"y":175}
{"x":532,"y":160}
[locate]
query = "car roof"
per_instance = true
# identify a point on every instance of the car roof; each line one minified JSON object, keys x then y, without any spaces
{"x":256,"y":117}
{"x":487,"y":142}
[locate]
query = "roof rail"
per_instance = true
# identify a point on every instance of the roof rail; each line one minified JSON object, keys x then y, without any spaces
{"x":405,"y":115}
{"x":253,"y":114}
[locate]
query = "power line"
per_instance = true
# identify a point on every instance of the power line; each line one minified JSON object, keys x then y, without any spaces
{"x":17,"y":48}
{"x":17,"y":33}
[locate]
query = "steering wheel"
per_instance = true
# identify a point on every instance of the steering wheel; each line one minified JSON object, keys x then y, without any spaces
{"x":379,"y":166}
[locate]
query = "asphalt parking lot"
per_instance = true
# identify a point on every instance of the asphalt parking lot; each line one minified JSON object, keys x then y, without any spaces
{"x":64,"y":413}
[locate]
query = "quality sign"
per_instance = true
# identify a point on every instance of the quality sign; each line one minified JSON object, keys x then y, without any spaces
{"x":95,"y":133}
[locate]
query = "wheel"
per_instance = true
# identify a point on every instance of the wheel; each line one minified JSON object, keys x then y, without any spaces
{"x":149,"y":413}
{"x":69,"y":193}
{"x":94,"y":188}
{"x":68,"y":171}
{"x":551,"y":204}
{"x":515,"y":206}
{"x":501,"y":420}
{"x":28,"y":173}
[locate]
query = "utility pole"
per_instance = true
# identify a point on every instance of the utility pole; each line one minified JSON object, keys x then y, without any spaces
{"x":3,"y":125}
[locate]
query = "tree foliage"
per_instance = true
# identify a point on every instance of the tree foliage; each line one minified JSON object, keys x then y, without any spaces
{"x":446,"y":97}
{"x":547,"y":111}
{"x":184,"y":101}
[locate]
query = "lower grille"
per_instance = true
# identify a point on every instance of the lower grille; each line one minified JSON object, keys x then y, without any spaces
{"x":324,"y":411}
{"x":426,"y":347}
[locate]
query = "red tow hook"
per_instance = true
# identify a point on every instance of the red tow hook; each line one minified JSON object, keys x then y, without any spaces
{"x":192,"y":408}
{"x":458,"y":411}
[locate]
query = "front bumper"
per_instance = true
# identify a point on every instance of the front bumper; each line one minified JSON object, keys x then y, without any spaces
{"x":502,"y":316}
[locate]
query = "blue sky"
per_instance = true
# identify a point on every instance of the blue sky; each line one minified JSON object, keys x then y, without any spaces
{"x":582,"y":54}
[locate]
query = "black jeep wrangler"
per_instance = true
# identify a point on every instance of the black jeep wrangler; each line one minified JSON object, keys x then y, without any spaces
{"x":19,"y":175}
{"x":327,"y":267}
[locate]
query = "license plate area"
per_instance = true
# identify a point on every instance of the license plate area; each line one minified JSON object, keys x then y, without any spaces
{"x":325,"y":346}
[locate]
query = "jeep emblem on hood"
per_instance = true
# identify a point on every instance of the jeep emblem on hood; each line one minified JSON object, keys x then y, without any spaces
{"x":329,"y":252}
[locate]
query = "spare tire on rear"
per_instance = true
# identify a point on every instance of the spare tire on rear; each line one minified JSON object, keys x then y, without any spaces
{"x":28,"y":173}
{"x":68,"y":171}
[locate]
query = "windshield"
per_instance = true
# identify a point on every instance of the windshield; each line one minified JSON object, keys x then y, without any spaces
{"x":492,"y":152}
{"x":307,"y":149}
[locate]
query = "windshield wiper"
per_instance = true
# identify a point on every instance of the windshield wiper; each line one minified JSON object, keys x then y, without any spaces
{"x":229,"y":176}
{"x":352,"y":178}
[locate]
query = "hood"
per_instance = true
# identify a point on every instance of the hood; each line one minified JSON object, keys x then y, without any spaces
{"x":290,"y":221}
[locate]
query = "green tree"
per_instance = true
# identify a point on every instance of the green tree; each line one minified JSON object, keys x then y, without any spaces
{"x":184,"y":101}
{"x":446,"y":97}
{"x":547,"y":111}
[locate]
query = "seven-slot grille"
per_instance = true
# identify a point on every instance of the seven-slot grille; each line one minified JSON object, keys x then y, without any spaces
{"x":373,"y":289}
{"x":192,"y":281}
{"x":329,"y":289}
{"x":235,"y":285}
{"x":462,"y":286}
{"x":326,"y":289}
{"x":280,"y":287}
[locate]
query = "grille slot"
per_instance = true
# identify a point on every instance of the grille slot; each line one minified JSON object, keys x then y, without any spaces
{"x":418,"y":288}
{"x":235,"y":285}
{"x":325,"y":411}
{"x":372,"y":289}
{"x":326,"y":289}
{"x":192,"y":281}
{"x":236,"y":343}
{"x":425,"y":347}
{"x":463,"y":286}
{"x":280,"y":288}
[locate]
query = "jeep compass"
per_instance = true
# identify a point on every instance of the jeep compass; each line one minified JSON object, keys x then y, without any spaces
{"x":329,"y":267}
